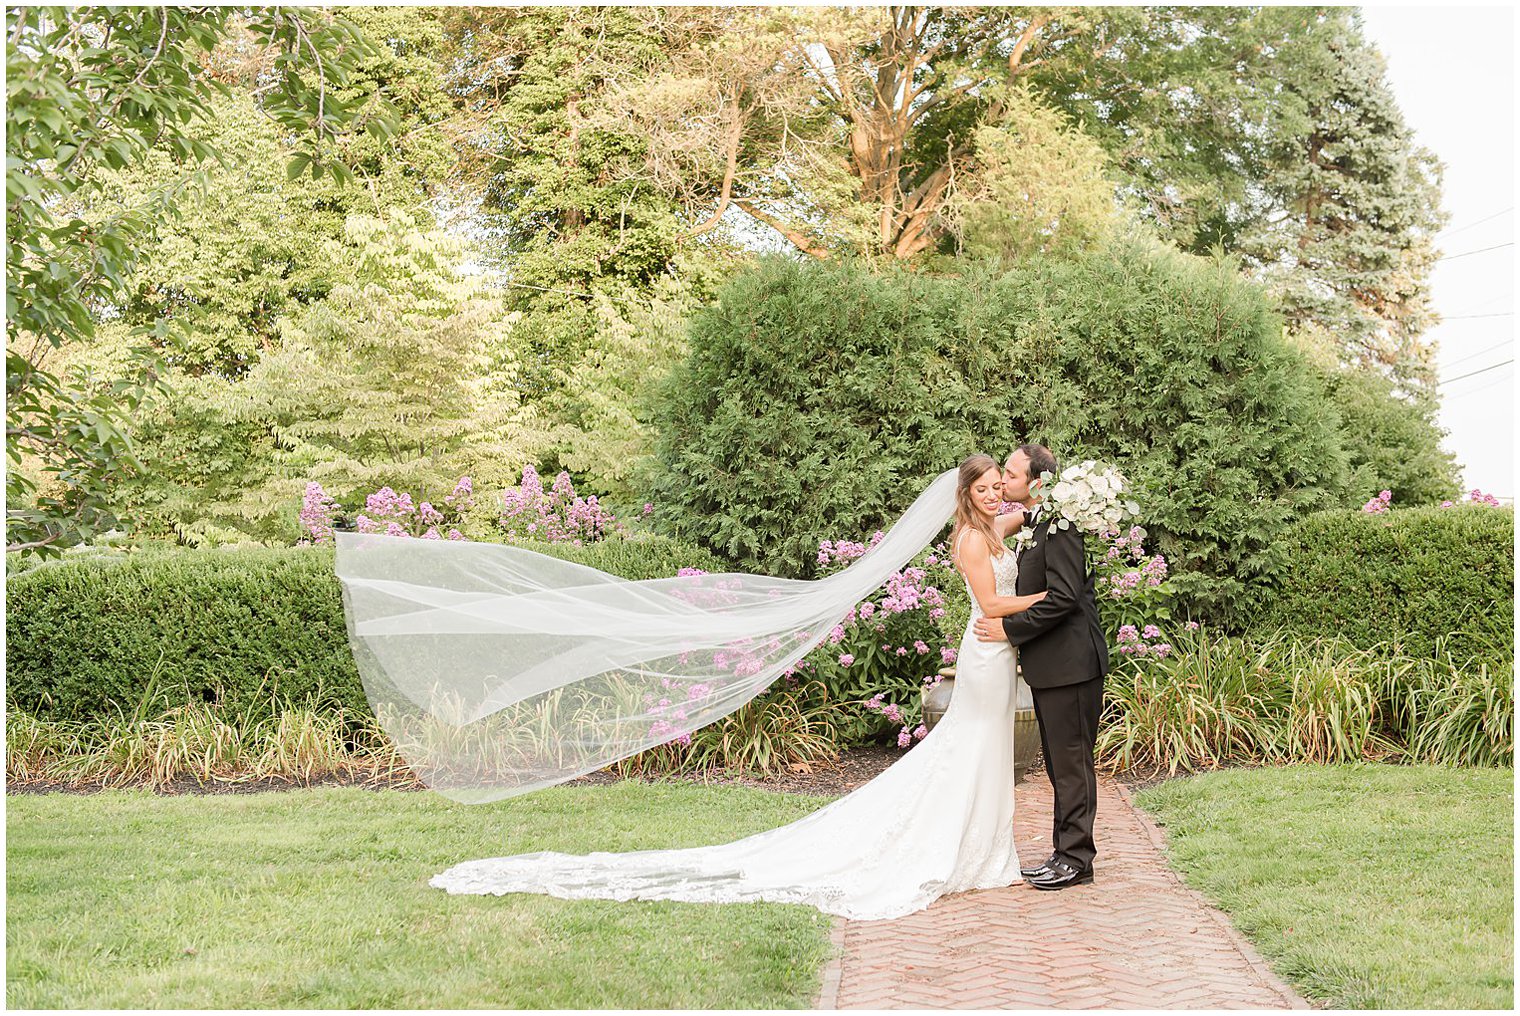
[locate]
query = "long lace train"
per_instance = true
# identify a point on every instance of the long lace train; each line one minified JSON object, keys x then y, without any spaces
{"x":938,"y":821}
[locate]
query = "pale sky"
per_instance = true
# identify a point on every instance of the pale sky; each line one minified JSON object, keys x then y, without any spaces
{"x":1453,"y":71}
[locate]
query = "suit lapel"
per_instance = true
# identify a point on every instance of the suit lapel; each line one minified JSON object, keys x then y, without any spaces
{"x":1039,"y":520}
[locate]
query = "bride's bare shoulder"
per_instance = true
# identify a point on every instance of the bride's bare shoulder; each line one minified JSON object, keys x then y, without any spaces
{"x":968,"y":540}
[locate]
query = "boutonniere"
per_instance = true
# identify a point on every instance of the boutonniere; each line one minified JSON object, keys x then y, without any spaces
{"x":1023,"y":538}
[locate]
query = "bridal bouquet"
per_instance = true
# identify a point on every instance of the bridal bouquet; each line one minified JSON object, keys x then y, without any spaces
{"x":1089,"y":495}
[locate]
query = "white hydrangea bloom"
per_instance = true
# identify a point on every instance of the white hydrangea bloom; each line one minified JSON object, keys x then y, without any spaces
{"x":1088,"y":496}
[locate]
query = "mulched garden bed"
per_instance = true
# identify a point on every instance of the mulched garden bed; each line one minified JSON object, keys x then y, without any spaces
{"x":853,"y":768}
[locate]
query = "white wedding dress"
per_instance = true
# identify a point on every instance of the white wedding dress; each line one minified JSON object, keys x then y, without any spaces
{"x":940,"y":820}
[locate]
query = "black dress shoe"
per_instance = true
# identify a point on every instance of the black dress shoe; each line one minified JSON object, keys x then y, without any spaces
{"x":1061,"y":875}
{"x":1038,"y":869}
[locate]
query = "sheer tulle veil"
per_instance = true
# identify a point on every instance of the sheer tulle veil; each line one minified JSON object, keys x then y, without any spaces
{"x":497,"y":670}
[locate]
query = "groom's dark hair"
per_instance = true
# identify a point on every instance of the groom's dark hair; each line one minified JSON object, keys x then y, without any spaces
{"x":1040,"y":460}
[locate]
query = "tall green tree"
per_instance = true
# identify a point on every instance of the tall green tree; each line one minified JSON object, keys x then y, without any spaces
{"x":588,"y":254}
{"x":1042,"y":188}
{"x":1351,"y":253}
{"x":1271,"y":132}
{"x":381,"y":381}
{"x":609,"y":144}
{"x":94,"y":88}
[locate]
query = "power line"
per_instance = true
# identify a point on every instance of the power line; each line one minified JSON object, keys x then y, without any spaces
{"x":1485,"y":386}
{"x":1507,"y":294}
{"x":1469,"y":317}
{"x":1470,"y":225}
{"x":1484,"y":370}
{"x":1481,"y":352}
{"x":1481,"y":250}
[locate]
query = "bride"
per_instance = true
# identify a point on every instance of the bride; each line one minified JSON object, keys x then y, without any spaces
{"x":938,"y":821}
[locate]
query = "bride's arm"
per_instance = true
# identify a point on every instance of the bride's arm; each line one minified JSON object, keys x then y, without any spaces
{"x":976,"y":560}
{"x":1004,"y":525}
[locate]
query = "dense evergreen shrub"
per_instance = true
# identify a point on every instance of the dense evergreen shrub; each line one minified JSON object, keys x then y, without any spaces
{"x":816,"y":402}
{"x":1393,"y":443}
{"x":1424,"y":580}
{"x":243,"y":627}
{"x":819,"y":399}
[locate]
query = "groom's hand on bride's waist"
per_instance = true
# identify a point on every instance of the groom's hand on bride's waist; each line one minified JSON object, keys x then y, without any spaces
{"x":990,"y":629}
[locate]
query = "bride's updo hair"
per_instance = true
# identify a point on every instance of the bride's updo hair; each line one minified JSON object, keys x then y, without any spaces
{"x":967,"y":514}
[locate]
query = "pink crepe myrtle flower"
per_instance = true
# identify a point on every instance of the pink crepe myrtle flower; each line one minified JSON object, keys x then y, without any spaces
{"x":846,"y":659}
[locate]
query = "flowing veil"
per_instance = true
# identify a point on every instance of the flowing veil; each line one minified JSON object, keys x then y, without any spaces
{"x":497,"y":670}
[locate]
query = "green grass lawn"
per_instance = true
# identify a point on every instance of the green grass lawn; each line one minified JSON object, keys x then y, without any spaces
{"x":1367,"y":886}
{"x":319,"y":898}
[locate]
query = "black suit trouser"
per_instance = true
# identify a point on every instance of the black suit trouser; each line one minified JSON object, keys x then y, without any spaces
{"x":1068,"y":718}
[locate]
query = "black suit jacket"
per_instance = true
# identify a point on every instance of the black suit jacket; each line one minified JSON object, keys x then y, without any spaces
{"x":1059,"y":639}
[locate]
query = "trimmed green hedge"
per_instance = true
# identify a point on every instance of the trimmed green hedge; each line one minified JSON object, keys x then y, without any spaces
{"x":1414,"y":576}
{"x":238,"y":626}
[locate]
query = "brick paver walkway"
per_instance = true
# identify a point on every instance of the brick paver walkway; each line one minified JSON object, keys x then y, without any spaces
{"x":1137,"y":938}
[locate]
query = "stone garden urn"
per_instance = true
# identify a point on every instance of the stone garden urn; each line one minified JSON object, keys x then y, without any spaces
{"x":1026,"y":730}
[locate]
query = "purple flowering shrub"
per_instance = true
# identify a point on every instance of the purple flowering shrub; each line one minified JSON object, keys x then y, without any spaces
{"x":885,"y":650}
{"x":1132,"y":591}
{"x":1474,"y":496}
{"x":557,"y":515}
{"x":386,"y":511}
{"x":528,"y":513}
{"x":1379,"y":505}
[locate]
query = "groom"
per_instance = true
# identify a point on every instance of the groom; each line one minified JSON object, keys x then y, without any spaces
{"x":1064,"y":657}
